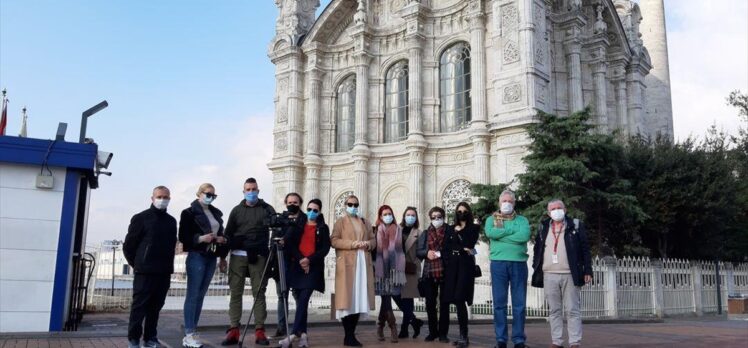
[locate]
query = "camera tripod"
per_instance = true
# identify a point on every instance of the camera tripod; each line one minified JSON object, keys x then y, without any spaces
{"x":275,"y":255}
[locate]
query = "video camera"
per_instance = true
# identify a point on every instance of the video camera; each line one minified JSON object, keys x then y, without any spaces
{"x":277,"y":220}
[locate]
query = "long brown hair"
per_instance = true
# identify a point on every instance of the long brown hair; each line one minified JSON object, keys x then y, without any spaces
{"x":379,"y":214}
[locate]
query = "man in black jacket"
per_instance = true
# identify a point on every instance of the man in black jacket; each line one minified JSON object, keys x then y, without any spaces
{"x":149,"y":249}
{"x":562,"y":265}
{"x":249,"y":240}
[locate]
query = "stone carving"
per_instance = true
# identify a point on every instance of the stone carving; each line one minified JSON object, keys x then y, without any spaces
{"x":397,"y":5}
{"x":281,"y":143}
{"x":295,"y":19}
{"x":600,"y":26}
{"x":539,"y":53}
{"x":282,"y":104}
{"x":456,"y":192}
{"x":509,"y":19}
{"x":511,"y":52}
{"x":512,"y":140}
{"x":512,"y":93}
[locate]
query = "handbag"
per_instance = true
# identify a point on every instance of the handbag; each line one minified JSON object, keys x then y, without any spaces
{"x":477,"y":273}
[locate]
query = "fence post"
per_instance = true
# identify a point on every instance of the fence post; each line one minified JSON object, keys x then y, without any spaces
{"x":729,"y":271}
{"x":611,"y":286}
{"x":698,"y":303}
{"x":658,"y":293}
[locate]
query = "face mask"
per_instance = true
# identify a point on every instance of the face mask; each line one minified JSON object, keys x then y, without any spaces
{"x":293,"y":209}
{"x":251,"y":197}
{"x":437,"y":223}
{"x":507,"y":208}
{"x":462,"y":216}
{"x":410,"y":220}
{"x":160,"y":203}
{"x":557,"y":214}
{"x":352,"y":211}
{"x":388,"y":219}
{"x":205,"y":200}
{"x":312,"y":215}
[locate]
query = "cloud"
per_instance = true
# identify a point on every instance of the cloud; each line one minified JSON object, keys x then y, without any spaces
{"x":708,"y":51}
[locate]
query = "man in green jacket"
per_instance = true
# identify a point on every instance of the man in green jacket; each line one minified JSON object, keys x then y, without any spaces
{"x":508,"y":234}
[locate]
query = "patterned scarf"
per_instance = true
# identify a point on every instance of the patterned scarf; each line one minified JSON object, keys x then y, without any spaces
{"x":434,"y":268}
{"x":390,"y":266}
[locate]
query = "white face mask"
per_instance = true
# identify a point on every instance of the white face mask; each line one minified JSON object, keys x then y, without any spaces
{"x":437,"y":223}
{"x":507,"y":208}
{"x":557,"y":214}
{"x":160,"y":203}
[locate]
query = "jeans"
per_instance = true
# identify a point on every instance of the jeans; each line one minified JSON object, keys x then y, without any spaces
{"x":148,"y":296}
{"x":504,"y":275}
{"x":302,"y":297}
{"x":200,"y":269}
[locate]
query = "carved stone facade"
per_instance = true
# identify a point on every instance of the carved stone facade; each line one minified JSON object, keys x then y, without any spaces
{"x":477,"y":73}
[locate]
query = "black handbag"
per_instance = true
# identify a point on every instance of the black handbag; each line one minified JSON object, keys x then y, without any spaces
{"x":477,"y":273}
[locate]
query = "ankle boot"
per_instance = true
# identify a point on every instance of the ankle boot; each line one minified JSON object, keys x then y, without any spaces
{"x":391,"y":320}
{"x":403,"y":331}
{"x":417,"y":323}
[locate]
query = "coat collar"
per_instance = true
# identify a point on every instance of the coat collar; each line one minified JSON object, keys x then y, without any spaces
{"x":412,"y":238}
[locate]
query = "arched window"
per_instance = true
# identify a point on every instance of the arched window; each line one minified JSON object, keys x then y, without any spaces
{"x":345,"y":123}
{"x":454,"y":87}
{"x":396,"y":103}
{"x":456,"y":192}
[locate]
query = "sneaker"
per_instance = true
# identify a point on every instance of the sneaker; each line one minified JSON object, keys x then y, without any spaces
{"x":500,"y":345}
{"x":304,"y":341}
{"x":232,"y":336}
{"x":260,"y":338}
{"x":192,"y":340}
{"x":133,"y":343}
{"x":287,"y":342}
{"x":152,"y":343}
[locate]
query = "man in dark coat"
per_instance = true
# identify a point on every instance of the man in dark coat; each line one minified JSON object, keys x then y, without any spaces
{"x":149,"y":249}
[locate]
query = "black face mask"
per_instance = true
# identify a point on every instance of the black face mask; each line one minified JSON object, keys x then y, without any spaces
{"x":293,"y":209}
{"x":462,"y":216}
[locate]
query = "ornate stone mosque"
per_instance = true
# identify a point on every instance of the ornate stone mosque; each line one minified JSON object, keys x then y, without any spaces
{"x":408,"y":102}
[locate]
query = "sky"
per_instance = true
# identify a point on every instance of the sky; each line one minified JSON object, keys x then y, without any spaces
{"x":190,"y":88}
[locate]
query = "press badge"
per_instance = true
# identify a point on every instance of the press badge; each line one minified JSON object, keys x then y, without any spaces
{"x":554,"y":259}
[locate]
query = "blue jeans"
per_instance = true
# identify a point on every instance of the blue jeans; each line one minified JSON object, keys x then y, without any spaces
{"x":200,"y":271}
{"x":504,"y":275}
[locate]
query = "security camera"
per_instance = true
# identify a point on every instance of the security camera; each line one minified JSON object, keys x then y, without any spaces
{"x":103,"y":158}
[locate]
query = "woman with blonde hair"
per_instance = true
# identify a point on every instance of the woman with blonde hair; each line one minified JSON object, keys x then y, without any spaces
{"x":201,"y":234}
{"x":354,"y":282}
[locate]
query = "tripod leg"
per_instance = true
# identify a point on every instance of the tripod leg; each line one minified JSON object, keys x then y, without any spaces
{"x":263,"y":285}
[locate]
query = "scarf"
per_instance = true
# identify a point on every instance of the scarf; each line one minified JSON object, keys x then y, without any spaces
{"x":390,"y":265}
{"x":435,"y":240}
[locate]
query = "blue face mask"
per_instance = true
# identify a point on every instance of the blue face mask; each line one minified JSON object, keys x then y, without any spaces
{"x":251,"y":196}
{"x":410,"y":220}
{"x":205,"y":200}
{"x":312,"y":215}
{"x":388,"y":219}
{"x":352,"y":211}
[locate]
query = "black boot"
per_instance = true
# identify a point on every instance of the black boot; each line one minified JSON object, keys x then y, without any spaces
{"x":403,"y":331}
{"x":417,"y":323}
{"x":349,"y":325}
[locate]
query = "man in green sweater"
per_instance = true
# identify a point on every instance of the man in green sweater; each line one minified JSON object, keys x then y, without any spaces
{"x":508,"y":234}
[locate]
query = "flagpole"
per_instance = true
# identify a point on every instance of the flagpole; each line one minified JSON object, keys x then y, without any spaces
{"x":4,"y":116}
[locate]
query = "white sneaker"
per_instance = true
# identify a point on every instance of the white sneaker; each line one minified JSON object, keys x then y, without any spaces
{"x":192,"y":341}
{"x":287,"y":342}
{"x":303,"y":341}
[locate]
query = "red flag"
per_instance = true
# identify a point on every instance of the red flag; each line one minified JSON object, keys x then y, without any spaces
{"x":4,"y":119}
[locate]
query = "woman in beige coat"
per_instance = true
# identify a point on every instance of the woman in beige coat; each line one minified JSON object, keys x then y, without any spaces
{"x":410,"y":232}
{"x":354,"y":280}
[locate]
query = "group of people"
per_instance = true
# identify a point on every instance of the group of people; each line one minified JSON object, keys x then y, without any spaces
{"x":397,"y":261}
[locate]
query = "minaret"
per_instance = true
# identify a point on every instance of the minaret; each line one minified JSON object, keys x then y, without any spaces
{"x":659,"y":107}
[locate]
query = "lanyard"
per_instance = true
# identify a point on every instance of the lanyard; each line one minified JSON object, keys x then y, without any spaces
{"x":555,"y":236}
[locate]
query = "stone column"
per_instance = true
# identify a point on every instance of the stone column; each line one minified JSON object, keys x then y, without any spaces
{"x":658,"y":291}
{"x":416,"y":143}
{"x":415,"y":121}
{"x":599,"y":73}
{"x":573,"y":50}
{"x":295,"y":121}
{"x":312,"y":160}
{"x":659,"y":106}
{"x":635,"y":73}
{"x":622,"y":106}
{"x":611,"y":281}
{"x":360,"y":150}
{"x":698,"y":285}
{"x":479,"y":134}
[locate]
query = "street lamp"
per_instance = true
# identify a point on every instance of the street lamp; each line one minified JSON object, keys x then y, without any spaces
{"x":88,"y":113}
{"x":113,"y":244}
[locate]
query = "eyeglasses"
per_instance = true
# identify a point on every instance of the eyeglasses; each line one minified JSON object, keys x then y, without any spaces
{"x":210,"y":195}
{"x":314,"y":210}
{"x":437,"y":217}
{"x":353,"y":205}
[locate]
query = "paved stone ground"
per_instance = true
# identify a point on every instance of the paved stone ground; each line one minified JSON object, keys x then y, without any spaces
{"x":109,"y":330}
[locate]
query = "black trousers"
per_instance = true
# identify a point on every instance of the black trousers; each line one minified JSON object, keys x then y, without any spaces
{"x":435,"y":290}
{"x":462,"y":317}
{"x":148,"y":295}
{"x":302,"y":297}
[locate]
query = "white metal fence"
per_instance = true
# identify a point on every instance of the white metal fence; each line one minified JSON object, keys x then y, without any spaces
{"x":626,"y":287}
